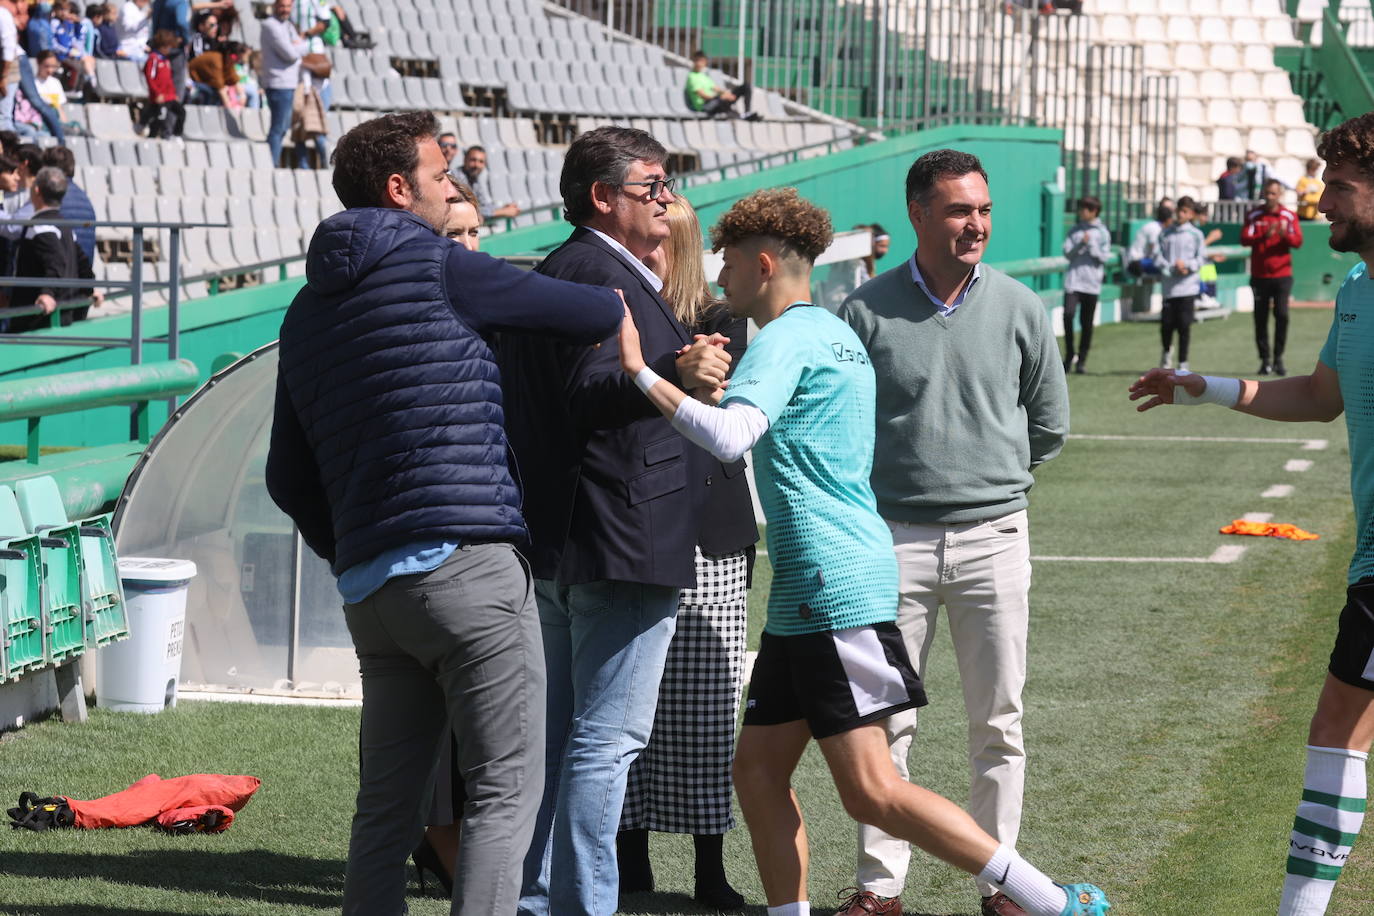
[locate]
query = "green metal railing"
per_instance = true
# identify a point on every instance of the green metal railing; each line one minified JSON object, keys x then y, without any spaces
{"x":32,"y":399}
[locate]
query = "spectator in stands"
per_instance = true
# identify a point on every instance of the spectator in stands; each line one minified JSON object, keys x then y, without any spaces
{"x":475,"y":174}
{"x":30,"y":159}
{"x":106,"y":46}
{"x":134,"y":28}
{"x":1142,"y":259}
{"x":438,"y":602}
{"x":49,"y":251}
{"x":1230,"y":186}
{"x":1088,"y":246}
{"x":75,"y":203}
{"x":28,"y":119}
{"x":175,"y":16}
{"x":163,"y":116}
{"x":1182,"y":252}
{"x":18,"y":74}
{"x":464,"y":220}
{"x":69,"y":42}
{"x":38,"y":33}
{"x":10,"y":185}
{"x":681,"y":783}
{"x":1257,"y":172}
{"x":1271,"y":230}
{"x":1310,"y":190}
{"x":313,"y":19}
{"x":282,"y":50}
{"x":308,"y":124}
{"x":705,"y":97}
{"x":247,"y":65}
{"x":448,"y":145}
{"x":204,"y":62}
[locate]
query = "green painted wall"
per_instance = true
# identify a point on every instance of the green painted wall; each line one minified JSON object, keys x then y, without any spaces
{"x":860,"y":185}
{"x":866,"y":184}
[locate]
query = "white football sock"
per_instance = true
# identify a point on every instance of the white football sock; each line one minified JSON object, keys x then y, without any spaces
{"x":1329,"y":819}
{"x":791,"y":909}
{"x":1024,"y":883}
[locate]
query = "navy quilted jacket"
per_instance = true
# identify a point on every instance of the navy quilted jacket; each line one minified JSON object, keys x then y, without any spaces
{"x":388,"y":427}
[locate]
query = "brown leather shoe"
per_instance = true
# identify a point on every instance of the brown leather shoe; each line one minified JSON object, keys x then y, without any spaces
{"x":855,"y":902}
{"x":999,"y":904}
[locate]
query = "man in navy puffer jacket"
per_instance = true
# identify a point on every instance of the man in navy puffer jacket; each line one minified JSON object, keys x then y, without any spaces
{"x":388,"y":452}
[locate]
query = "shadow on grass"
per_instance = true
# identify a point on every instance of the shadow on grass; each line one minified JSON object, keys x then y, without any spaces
{"x":258,"y":875}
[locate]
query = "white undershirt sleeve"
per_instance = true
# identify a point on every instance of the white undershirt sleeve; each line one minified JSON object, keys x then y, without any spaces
{"x":726,"y":432}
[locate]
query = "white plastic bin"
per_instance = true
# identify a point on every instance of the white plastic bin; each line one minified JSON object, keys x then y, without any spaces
{"x":140,"y":674}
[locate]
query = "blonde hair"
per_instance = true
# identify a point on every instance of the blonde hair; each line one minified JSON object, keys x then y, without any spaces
{"x":685,"y":287}
{"x":465,"y":194}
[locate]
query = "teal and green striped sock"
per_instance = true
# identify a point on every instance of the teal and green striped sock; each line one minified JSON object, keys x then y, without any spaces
{"x":1329,"y":819}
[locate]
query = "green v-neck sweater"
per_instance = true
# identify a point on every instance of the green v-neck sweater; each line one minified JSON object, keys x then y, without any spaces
{"x":968,"y":403}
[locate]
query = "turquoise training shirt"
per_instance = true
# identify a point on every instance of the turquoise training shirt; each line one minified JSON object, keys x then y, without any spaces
{"x":833,"y":565}
{"x":1349,"y":349}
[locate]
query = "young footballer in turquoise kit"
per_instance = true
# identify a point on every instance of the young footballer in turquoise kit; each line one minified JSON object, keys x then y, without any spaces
{"x":831,"y":664}
{"x":1334,"y":789}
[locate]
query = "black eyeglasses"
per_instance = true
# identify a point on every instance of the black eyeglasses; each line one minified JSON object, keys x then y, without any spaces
{"x":656,"y":187}
{"x":448,"y":145}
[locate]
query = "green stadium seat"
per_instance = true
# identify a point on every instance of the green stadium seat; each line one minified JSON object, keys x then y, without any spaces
{"x":21,"y":601}
{"x":64,"y":625}
{"x":101,"y":591}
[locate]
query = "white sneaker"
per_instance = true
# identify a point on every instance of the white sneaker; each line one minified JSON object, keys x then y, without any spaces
{"x":1166,"y":359}
{"x":1183,"y":367}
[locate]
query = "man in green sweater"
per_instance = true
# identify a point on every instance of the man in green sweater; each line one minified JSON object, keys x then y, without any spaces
{"x":971,"y":398}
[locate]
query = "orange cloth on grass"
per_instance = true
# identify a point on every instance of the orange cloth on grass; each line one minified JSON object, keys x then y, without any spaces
{"x":1269,"y":529}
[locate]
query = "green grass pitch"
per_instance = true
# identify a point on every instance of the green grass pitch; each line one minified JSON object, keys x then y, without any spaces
{"x":1166,"y":709}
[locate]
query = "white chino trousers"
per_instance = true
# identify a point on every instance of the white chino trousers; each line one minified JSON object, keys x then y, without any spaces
{"x":980,"y":572}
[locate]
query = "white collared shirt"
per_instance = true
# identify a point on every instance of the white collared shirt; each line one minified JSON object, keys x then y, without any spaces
{"x":643,"y":268}
{"x":945,"y":310}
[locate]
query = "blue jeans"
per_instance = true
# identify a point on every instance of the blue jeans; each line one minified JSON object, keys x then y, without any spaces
{"x":51,"y":120}
{"x":604,"y":647}
{"x":279,"y":102}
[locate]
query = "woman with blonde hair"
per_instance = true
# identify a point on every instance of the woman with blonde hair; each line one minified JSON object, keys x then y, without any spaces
{"x":681,"y":782}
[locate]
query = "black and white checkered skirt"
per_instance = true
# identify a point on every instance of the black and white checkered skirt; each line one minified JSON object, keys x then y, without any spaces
{"x":681,"y":783}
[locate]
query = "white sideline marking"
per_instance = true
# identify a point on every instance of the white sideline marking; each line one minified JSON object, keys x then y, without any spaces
{"x":1298,"y":465}
{"x":1278,"y":491}
{"x":1227,"y":553}
{"x":1308,"y":445}
{"x":1260,"y":517}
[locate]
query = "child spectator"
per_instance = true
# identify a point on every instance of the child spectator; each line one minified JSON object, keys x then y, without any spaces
{"x":163,"y":115}
{"x":106,"y":41}
{"x":28,"y":123}
{"x":1182,"y":252}
{"x":246,"y":66}
{"x":69,"y":42}
{"x":1088,"y":246}
{"x":1310,"y":189}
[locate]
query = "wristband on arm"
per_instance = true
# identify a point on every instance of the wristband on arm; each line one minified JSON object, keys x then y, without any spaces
{"x":647,"y":378}
{"x":1219,"y":390}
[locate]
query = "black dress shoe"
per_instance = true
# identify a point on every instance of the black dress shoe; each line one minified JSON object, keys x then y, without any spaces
{"x":1264,"y":369}
{"x":1279,"y":367}
{"x":426,"y":859}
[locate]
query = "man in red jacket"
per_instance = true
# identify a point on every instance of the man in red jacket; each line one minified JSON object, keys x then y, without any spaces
{"x":1272,"y":230}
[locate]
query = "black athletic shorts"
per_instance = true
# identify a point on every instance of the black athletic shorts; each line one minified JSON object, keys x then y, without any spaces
{"x":837,"y":680}
{"x":1352,"y":659}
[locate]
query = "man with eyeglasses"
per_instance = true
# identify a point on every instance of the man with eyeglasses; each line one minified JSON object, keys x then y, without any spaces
{"x":611,"y":492}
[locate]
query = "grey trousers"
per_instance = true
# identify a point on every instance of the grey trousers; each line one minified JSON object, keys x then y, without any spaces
{"x":462,"y":641}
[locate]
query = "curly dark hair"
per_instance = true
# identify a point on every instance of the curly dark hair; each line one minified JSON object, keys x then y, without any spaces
{"x":937,"y":164}
{"x":375,"y":150}
{"x":1350,"y":143}
{"x":780,"y":214}
{"x":603,"y":155}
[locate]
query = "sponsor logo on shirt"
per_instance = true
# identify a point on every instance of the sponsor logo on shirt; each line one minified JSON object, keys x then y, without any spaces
{"x":845,"y":354}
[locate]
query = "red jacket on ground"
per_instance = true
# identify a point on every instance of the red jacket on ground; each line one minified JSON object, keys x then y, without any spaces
{"x":1272,"y":236}
{"x":158,"y":72}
